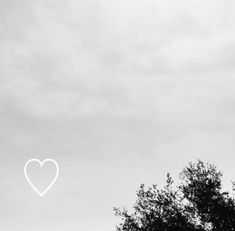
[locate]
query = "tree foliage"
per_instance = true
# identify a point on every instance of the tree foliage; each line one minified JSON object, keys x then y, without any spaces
{"x":197,"y":204}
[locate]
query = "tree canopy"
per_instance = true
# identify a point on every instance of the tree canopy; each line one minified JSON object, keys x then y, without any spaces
{"x":198,"y":203}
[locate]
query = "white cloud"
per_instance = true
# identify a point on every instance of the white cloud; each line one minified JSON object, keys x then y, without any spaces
{"x":71,"y":53}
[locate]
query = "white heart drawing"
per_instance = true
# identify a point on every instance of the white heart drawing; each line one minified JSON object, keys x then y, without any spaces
{"x":41,"y":165}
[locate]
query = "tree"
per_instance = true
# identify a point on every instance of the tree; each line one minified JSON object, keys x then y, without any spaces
{"x":197,"y":204}
{"x":202,"y":188}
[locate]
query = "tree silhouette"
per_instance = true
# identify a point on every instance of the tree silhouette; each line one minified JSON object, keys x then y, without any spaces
{"x":197,"y":204}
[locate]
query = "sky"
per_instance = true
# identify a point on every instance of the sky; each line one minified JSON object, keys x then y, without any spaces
{"x":117,"y":92}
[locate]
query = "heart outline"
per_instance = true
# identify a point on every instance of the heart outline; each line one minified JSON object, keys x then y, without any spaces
{"x":41,"y":165}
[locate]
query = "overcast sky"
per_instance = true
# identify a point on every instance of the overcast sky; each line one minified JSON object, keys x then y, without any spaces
{"x":119,"y":93}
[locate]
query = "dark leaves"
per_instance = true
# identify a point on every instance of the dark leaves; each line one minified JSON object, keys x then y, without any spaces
{"x":198,"y":204}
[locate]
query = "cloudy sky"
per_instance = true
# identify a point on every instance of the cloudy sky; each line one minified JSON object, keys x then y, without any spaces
{"x":118,"y":93}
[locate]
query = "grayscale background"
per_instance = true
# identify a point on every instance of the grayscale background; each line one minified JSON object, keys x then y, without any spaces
{"x":119,"y":93}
